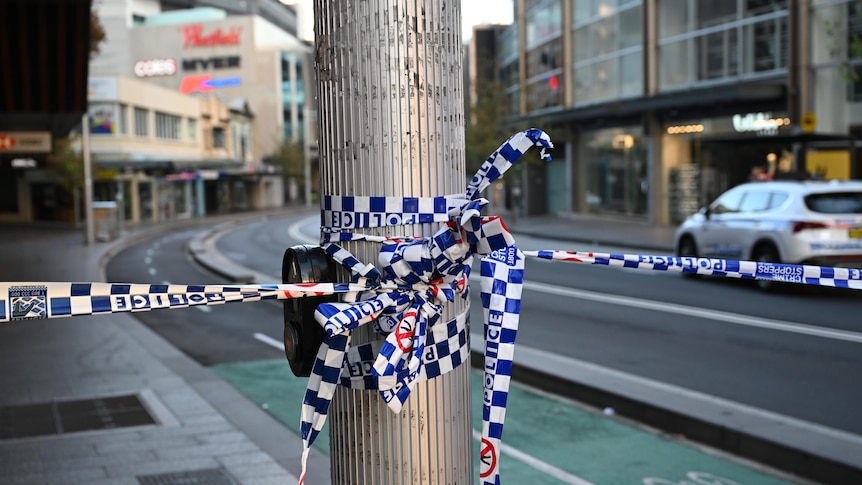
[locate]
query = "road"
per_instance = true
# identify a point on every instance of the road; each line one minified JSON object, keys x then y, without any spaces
{"x":794,"y":354}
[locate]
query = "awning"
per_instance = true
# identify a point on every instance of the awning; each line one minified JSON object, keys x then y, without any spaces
{"x":44,"y":61}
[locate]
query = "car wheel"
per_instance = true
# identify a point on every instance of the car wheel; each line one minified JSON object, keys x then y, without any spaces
{"x":687,"y":249}
{"x":766,"y":253}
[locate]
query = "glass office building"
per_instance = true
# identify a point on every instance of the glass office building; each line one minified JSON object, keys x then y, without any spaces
{"x":657,"y":106}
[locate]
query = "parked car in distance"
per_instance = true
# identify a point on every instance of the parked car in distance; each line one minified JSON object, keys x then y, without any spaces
{"x":796,"y":222}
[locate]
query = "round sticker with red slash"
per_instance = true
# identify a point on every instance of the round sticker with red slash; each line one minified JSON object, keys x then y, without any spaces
{"x":404,"y":332}
{"x":488,"y":457}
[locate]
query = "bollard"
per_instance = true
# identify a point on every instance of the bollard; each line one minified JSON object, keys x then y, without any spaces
{"x":391,"y":124}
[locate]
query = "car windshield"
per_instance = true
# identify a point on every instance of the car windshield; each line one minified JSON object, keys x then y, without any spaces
{"x":835,"y":203}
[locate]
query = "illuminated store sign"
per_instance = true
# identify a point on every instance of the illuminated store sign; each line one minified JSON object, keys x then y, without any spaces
{"x":23,"y":163}
{"x":217,"y":62}
{"x":204,"y":83}
{"x":156,"y":67}
{"x":193,"y":36}
{"x":762,"y":123}
{"x":25,"y":142}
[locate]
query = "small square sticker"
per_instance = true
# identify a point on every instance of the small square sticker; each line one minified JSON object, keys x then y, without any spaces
{"x":28,"y":302}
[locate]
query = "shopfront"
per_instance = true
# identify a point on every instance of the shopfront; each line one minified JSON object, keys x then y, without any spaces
{"x":612,"y":171}
{"x":702,"y":158}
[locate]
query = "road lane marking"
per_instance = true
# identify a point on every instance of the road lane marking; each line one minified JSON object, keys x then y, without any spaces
{"x":540,"y":465}
{"x":612,"y":380}
{"x":296,"y":233}
{"x":518,"y":455}
{"x":717,"y":315}
{"x":269,"y":340}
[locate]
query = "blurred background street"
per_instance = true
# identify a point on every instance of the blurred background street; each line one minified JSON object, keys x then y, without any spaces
{"x":184,"y":142}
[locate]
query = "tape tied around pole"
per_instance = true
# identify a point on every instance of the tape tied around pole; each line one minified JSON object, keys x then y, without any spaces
{"x":418,"y":276}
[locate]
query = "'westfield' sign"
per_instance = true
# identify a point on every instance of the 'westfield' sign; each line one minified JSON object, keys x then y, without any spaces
{"x":193,"y":36}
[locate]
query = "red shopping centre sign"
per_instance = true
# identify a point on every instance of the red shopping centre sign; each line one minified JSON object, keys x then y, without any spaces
{"x":193,"y":36}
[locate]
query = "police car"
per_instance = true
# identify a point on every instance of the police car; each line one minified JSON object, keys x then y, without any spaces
{"x":796,"y":222}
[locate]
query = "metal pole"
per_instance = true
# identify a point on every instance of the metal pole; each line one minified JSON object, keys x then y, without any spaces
{"x":88,"y":179}
{"x":391,"y":121}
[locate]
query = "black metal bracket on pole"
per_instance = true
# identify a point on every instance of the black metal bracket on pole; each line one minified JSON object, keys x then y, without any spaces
{"x":302,"y":335}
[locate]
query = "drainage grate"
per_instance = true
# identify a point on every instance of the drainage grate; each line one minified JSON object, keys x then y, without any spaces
{"x":209,"y":476}
{"x":70,"y":416}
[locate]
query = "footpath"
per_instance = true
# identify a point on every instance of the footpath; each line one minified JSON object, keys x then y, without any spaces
{"x":104,"y":400}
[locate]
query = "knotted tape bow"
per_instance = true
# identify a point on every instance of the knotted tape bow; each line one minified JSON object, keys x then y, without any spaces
{"x":418,"y":276}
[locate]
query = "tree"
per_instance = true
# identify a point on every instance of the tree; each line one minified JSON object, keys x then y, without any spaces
{"x":97,"y":33}
{"x":486,"y":126}
{"x":66,"y":163}
{"x":290,"y":158}
{"x":852,"y":30}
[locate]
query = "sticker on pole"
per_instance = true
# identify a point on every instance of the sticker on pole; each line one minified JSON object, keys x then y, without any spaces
{"x":488,"y":457}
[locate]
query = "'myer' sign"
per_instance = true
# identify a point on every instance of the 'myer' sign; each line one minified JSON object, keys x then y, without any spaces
{"x":215,"y":62}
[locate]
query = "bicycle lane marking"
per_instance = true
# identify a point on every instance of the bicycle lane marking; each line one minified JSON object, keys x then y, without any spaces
{"x":549,"y":441}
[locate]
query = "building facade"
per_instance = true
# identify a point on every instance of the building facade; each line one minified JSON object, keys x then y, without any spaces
{"x":231,"y":82}
{"x":657,"y":106}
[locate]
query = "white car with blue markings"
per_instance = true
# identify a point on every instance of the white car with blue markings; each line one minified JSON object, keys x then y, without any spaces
{"x":795,"y":222}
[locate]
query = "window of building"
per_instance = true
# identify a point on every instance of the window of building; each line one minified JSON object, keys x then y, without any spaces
{"x":543,"y":21}
{"x":608,"y":60}
{"x":704,"y":41}
{"x":218,"y":137}
{"x":167,"y":126}
{"x":142,"y":122}
{"x":192,"y":127}
{"x":123,"y":120}
{"x":103,"y":118}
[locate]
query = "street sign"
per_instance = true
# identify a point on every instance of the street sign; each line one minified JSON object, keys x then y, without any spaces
{"x":808,"y":122}
{"x":25,"y":142}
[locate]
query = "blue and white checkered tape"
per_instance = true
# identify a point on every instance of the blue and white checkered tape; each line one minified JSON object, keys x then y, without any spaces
{"x":33,"y":300}
{"x":502,"y":281}
{"x":756,"y":270}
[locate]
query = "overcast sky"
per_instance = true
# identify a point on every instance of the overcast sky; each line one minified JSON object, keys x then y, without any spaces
{"x":473,"y":12}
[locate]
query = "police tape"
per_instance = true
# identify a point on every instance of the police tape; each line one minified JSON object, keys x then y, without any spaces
{"x":429,"y":272}
{"x":38,"y":300}
{"x":756,"y":270}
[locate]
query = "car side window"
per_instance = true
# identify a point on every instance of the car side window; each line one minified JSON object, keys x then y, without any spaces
{"x":755,"y":201}
{"x":777,"y":199}
{"x":729,"y":202}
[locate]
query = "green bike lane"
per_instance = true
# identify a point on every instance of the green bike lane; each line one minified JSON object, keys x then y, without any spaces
{"x":546,"y":440}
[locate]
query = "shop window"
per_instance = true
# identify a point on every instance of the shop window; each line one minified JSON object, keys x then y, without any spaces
{"x":8,"y":188}
{"x":142,"y":122}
